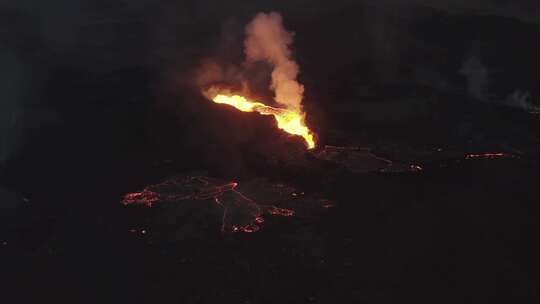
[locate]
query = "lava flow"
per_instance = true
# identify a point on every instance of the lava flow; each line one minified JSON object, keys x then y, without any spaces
{"x":242,"y":210}
{"x":289,"y":121}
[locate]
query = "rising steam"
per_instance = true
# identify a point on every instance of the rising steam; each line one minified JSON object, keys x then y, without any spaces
{"x":267,"y":40}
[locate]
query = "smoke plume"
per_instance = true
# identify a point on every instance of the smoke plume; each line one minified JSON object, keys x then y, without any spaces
{"x":267,"y":40}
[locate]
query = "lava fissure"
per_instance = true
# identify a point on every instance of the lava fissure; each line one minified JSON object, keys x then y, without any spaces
{"x":290,"y":121}
{"x":268,"y":41}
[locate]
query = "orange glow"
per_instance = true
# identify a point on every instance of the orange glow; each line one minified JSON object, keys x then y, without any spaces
{"x":238,"y":102}
{"x":487,"y":155}
{"x":288,"y":120}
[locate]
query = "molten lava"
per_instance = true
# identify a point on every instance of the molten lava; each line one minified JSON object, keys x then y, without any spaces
{"x":288,"y":120}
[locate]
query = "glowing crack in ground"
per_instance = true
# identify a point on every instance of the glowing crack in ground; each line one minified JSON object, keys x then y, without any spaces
{"x":243,"y":210}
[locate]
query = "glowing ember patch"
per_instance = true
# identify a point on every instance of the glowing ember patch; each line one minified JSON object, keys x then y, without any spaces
{"x":273,"y":210}
{"x":488,"y":155}
{"x":145,"y":197}
{"x":290,"y":121}
{"x":246,"y":229}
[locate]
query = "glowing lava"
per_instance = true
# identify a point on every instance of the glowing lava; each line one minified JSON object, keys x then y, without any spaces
{"x":240,"y":211}
{"x":488,"y":155}
{"x":290,"y":121}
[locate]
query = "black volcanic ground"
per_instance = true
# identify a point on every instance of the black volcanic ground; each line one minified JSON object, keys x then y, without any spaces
{"x":99,"y":101}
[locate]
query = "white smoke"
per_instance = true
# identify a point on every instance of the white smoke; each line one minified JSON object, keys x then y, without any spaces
{"x":267,"y":40}
{"x":477,"y":76}
{"x":478,"y":82}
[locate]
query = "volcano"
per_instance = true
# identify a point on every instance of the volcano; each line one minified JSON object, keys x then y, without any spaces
{"x":221,"y":152}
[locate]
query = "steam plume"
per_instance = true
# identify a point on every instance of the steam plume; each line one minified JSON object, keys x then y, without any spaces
{"x":267,"y":40}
